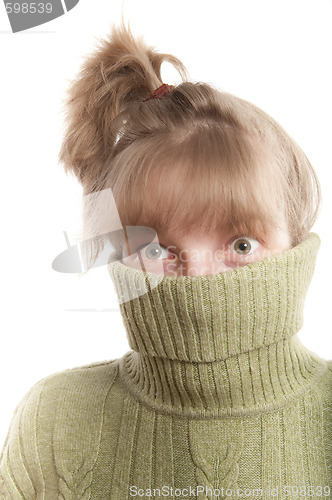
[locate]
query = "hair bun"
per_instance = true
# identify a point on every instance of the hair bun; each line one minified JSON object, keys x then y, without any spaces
{"x":121,"y":70}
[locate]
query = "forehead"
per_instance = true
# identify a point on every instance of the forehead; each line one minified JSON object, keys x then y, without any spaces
{"x":176,"y":230}
{"x":177,"y":197}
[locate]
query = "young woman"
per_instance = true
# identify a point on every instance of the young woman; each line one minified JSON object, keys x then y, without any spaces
{"x":217,"y":397}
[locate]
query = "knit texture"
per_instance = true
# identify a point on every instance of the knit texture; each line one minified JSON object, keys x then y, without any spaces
{"x":217,"y":398}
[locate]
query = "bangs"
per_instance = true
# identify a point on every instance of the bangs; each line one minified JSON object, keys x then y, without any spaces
{"x":214,"y":180}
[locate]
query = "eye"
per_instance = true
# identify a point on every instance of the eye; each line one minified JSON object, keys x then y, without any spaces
{"x":244,"y":245}
{"x":153,"y":251}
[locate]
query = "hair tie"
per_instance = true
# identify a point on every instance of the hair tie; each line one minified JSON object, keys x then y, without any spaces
{"x":160,"y":92}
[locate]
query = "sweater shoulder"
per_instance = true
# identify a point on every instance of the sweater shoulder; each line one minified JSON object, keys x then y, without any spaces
{"x":68,"y":395}
{"x":92,"y":375}
{"x":329,"y":379}
{"x":75,"y":391}
{"x":323,"y":388}
{"x":65,"y":403}
{"x":91,"y":379}
{"x":65,"y":387}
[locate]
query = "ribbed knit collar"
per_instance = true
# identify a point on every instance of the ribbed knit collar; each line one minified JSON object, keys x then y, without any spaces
{"x":219,"y":345}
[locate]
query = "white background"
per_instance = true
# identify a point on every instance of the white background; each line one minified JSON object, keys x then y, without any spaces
{"x":276,"y":54}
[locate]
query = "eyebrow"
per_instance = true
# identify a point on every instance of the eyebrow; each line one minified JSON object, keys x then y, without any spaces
{"x":171,"y":240}
{"x":163,"y":233}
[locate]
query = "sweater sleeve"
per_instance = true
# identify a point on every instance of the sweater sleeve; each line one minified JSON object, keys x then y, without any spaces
{"x":20,"y":474}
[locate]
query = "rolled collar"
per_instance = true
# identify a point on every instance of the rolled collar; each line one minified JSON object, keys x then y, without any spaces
{"x":219,"y":344}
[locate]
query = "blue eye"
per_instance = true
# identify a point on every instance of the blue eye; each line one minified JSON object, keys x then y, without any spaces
{"x":152,"y":251}
{"x":244,"y":245}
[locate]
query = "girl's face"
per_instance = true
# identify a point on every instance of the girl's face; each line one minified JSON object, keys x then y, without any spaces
{"x":201,"y":254}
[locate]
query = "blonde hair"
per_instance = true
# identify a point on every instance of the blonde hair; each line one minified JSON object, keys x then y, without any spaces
{"x":208,"y":158}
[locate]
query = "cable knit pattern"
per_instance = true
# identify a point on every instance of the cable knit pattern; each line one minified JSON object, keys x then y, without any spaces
{"x":217,"y":398}
{"x":217,"y":462}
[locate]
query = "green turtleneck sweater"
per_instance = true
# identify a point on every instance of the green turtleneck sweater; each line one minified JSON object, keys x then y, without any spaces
{"x":218,"y":397}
